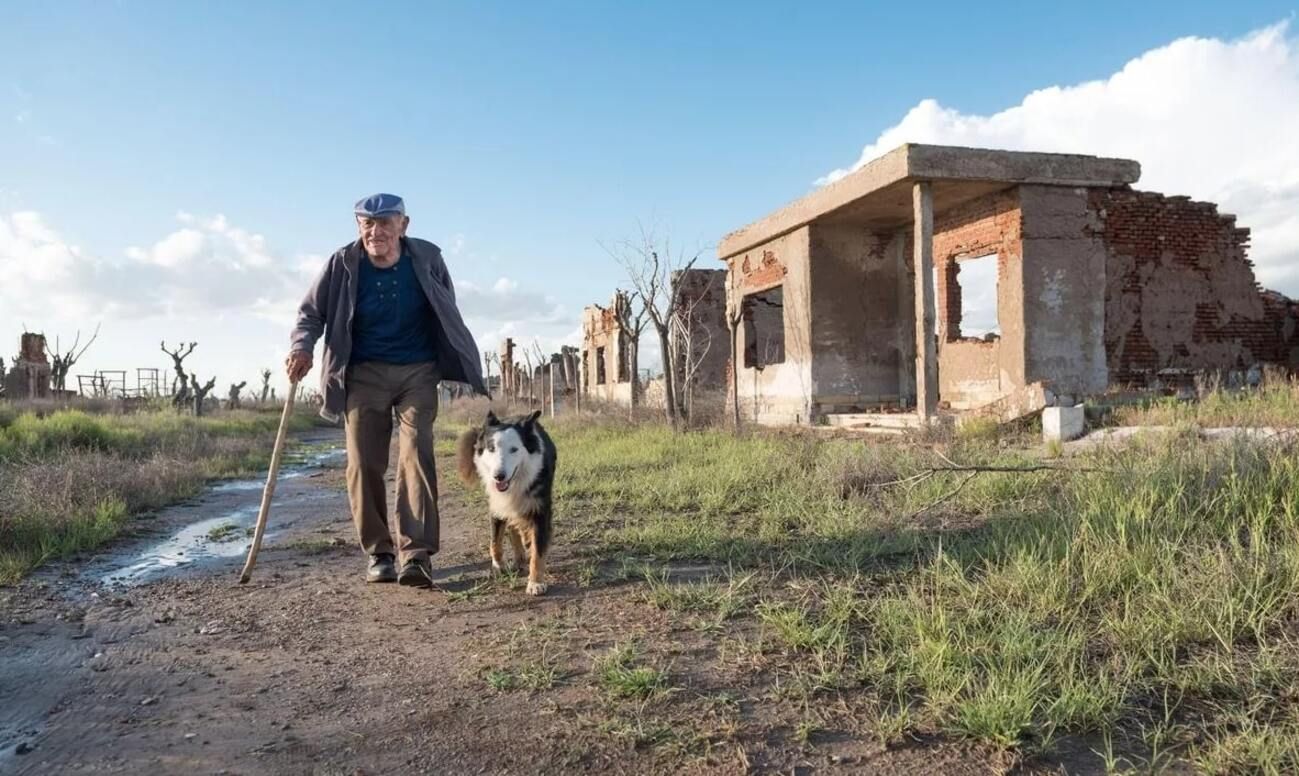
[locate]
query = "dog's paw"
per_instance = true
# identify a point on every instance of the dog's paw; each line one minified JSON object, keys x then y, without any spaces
{"x":536,"y":588}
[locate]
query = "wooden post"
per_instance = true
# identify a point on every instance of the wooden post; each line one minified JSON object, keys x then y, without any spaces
{"x":922,"y":199}
{"x":550,"y":370}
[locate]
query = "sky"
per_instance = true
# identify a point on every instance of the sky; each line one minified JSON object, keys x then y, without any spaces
{"x":180,"y":171}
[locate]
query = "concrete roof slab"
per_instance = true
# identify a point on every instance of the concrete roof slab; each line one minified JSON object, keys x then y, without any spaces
{"x":878,"y":193}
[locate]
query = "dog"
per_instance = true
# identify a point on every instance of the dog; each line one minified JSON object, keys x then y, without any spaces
{"x":514,"y":461}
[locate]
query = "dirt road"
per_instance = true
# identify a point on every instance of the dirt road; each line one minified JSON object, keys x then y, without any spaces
{"x":150,"y":659}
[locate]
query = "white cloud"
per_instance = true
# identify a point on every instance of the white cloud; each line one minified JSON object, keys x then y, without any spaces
{"x":206,"y":267}
{"x":1216,"y":120}
{"x":176,"y":249}
{"x":457,"y":245}
{"x":212,"y":281}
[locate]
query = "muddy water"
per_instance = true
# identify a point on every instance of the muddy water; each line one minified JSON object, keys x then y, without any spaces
{"x":215,"y":529}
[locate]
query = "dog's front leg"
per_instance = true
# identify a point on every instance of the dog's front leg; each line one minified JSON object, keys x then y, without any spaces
{"x":494,"y":549}
{"x":537,"y":566}
{"x":520,"y":554}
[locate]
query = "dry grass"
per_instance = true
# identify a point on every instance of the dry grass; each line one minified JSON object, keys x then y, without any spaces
{"x":70,"y":480}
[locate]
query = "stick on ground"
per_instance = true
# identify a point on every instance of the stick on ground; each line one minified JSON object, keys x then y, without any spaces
{"x":269,"y":491}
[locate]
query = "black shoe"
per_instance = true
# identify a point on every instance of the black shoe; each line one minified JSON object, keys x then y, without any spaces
{"x":416,"y":573}
{"x":383,"y":568}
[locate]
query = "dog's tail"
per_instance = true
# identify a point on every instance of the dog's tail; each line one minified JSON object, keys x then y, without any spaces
{"x":465,"y":456}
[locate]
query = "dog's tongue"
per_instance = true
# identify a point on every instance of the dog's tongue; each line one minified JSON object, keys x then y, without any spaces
{"x":502,"y":486}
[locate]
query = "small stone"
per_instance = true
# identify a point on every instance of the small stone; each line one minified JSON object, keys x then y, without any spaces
{"x":189,"y":736}
{"x":23,"y":748}
{"x":149,"y":701}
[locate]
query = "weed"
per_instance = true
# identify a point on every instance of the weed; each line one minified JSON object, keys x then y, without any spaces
{"x":619,"y":676}
{"x":226,"y":532}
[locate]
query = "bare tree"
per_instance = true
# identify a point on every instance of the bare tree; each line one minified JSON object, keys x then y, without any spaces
{"x":200,"y":392}
{"x":492,"y":357}
{"x":61,"y":362}
{"x":692,"y":339}
{"x":233,"y":398}
{"x":532,"y":352}
{"x":527,"y":376}
{"x":180,"y":387}
{"x":651,"y":262}
{"x":266,"y":386}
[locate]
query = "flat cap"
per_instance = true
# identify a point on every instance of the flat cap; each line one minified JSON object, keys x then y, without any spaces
{"x":380,"y":205}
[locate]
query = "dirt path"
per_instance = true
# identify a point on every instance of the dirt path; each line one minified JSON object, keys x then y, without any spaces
{"x":310,"y":670}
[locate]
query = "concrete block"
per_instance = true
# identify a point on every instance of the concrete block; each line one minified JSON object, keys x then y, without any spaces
{"x":1062,"y":424}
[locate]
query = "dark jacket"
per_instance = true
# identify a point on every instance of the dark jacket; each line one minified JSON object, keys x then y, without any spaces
{"x":331,"y":302}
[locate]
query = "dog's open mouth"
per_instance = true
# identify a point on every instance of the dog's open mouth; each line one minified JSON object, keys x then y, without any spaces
{"x":502,"y":485}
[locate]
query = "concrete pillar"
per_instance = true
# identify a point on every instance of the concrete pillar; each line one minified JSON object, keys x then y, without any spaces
{"x":922,"y":200}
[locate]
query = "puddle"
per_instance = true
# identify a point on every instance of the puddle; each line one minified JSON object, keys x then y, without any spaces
{"x":189,"y":545}
{"x":292,"y":469}
{"x":219,"y":528}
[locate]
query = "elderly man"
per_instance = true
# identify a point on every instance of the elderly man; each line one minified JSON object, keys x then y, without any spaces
{"x":387,"y":308}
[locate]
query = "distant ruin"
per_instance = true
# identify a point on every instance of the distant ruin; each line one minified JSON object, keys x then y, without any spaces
{"x":606,"y":373}
{"x":29,"y":376}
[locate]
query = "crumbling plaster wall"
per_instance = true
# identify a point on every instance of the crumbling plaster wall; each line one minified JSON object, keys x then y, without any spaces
{"x":1180,"y":290}
{"x":856,"y":313}
{"x":1064,"y":268}
{"x":777,"y":394}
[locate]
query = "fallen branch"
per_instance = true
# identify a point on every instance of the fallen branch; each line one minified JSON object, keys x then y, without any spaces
{"x":948,"y":496}
{"x":973,"y":470}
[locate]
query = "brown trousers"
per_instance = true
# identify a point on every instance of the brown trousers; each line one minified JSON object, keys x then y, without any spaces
{"x":374,"y":391}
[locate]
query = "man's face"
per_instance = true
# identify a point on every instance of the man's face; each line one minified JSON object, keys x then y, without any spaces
{"x":381,"y":235}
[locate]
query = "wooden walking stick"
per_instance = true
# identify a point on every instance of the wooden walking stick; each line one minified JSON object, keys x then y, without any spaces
{"x":269,"y":490}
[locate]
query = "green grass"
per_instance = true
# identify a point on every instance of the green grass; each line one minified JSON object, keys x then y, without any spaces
{"x":619,"y":675}
{"x":70,"y":480}
{"x":1151,"y":598}
{"x":226,"y":532}
{"x":707,"y":596}
{"x":1275,"y":403}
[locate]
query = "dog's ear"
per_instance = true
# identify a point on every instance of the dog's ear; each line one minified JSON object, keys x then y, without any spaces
{"x":492,"y":420}
{"x":528,"y":421}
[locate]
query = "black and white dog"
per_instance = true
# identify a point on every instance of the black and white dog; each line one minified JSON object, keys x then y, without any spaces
{"x":514,"y":460}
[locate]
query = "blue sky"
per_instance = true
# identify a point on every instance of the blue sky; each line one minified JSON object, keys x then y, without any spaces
{"x":521,"y":135}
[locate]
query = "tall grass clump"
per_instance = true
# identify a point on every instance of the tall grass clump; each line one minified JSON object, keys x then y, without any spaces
{"x":1275,"y":403}
{"x":1102,"y":610}
{"x":71,"y":480}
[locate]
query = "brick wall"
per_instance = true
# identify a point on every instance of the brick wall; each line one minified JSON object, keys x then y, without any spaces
{"x":987,"y":225}
{"x":1181,"y":291}
{"x":766,"y":271}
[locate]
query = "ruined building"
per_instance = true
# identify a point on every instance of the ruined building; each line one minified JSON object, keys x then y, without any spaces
{"x":700,"y":340}
{"x":1049,"y":279}
{"x":29,"y":377}
{"x":698,"y":337}
{"x":606,"y":373}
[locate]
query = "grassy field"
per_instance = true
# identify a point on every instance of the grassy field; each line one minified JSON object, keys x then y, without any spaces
{"x":1140,"y":603}
{"x":71,"y":480}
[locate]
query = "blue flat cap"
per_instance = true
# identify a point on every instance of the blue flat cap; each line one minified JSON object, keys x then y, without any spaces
{"x":380,"y":205}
